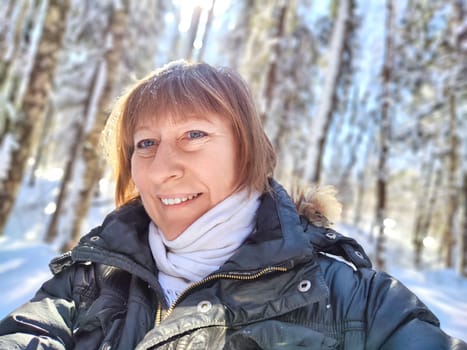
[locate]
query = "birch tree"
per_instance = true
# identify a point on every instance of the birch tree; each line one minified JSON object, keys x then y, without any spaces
{"x":108,"y":72}
{"x":33,"y":104}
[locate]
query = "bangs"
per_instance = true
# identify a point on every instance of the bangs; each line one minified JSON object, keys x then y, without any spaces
{"x":175,"y":96}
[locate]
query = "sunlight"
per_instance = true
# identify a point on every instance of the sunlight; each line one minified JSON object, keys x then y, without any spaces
{"x":429,"y":242}
{"x":50,"y":208}
{"x":389,"y":226}
{"x":389,"y":223}
{"x":187,"y":7}
{"x":51,"y":174}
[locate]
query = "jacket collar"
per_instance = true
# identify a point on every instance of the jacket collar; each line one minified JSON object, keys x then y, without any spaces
{"x":121,"y":241}
{"x":278,"y":239}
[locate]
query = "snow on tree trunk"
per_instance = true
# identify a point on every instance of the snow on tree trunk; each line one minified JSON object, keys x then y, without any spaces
{"x":93,"y":167}
{"x":34,"y":103}
{"x":320,"y":123}
{"x":385,"y":127}
{"x":18,"y":47}
{"x":77,"y":132}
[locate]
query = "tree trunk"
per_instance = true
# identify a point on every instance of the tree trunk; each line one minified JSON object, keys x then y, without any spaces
{"x":272,"y":67}
{"x":422,"y":209}
{"x":353,"y":141}
{"x":194,"y":25}
{"x":452,"y":168}
{"x":78,"y":128}
{"x":237,"y":39}
{"x":462,"y":246}
{"x":34,"y":103}
{"x":45,"y":127}
{"x":207,"y":28}
{"x":385,"y":127}
{"x":174,"y":51}
{"x":18,"y":48}
{"x":327,"y":105}
{"x":91,"y":155}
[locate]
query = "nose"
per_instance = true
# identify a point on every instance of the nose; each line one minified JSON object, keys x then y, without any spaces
{"x":166,"y":163}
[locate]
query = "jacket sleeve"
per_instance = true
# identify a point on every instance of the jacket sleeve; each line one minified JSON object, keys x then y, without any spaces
{"x":397,"y":319}
{"x":46,"y":321}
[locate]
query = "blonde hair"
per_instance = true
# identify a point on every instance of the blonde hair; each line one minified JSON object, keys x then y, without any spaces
{"x":181,"y":89}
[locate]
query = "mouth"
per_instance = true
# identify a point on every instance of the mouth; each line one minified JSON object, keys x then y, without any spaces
{"x":179,"y":200}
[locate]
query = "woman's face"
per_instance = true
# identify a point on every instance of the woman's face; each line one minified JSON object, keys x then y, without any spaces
{"x":182,"y":168}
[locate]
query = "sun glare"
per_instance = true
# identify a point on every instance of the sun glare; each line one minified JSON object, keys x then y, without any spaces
{"x":187,"y":7}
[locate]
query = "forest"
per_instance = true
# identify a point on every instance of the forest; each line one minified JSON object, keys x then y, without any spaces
{"x":367,"y":96}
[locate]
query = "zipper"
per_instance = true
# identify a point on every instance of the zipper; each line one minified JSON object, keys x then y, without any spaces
{"x":232,"y":276}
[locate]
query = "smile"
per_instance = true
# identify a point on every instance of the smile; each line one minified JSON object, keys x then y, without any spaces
{"x":175,"y":201}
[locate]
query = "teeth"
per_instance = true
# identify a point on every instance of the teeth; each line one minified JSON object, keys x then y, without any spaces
{"x":172,"y":201}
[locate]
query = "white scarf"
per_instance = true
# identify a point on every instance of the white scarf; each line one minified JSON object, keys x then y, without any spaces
{"x":205,"y":245}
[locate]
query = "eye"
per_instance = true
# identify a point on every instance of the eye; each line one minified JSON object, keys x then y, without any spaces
{"x":143,"y":144}
{"x":196,"y":134}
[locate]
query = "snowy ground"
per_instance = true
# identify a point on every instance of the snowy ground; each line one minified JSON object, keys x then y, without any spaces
{"x":24,"y":259}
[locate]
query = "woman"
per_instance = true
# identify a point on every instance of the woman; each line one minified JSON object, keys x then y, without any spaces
{"x":205,"y":250}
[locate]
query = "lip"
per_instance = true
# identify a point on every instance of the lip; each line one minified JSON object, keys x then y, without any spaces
{"x":173,"y":200}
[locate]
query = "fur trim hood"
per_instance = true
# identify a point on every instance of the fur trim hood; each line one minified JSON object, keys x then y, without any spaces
{"x":318,"y":204}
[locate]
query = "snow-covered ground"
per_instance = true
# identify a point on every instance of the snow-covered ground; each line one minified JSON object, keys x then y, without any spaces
{"x":24,"y":265}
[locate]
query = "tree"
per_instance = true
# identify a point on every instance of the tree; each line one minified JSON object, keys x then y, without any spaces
{"x":462,"y":251}
{"x":34,"y":104}
{"x":108,"y":70}
{"x":207,"y":28}
{"x":192,"y":32}
{"x":385,"y":127}
{"x":236,"y":40}
{"x":321,"y":122}
{"x":452,"y":184}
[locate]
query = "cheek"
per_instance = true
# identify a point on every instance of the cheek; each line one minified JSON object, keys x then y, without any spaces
{"x":135,"y":172}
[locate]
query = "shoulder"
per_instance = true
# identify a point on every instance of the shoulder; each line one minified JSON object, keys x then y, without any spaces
{"x":327,"y":241}
{"x":376,"y":297}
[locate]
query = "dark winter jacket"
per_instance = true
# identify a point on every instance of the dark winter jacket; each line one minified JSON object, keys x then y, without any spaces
{"x":279,"y":291}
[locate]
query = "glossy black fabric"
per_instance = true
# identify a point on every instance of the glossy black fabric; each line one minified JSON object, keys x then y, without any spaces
{"x":279,"y":291}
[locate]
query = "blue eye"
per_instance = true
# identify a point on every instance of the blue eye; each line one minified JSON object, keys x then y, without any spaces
{"x":145,"y":144}
{"x":196,"y":134}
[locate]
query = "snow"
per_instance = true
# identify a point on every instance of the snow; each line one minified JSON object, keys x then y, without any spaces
{"x":25,"y":262}
{"x":6,"y":149}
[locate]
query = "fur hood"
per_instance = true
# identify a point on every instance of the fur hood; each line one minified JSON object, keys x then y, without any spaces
{"x":318,"y":204}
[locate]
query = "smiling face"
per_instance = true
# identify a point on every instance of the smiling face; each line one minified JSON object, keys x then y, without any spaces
{"x":182,"y":168}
